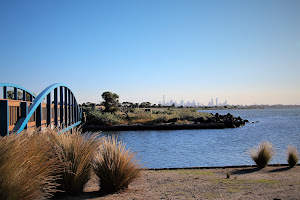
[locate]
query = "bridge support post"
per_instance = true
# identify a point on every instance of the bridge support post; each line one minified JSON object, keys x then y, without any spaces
{"x":24,"y":95}
{"x":75,"y":113}
{"x":24,"y":111}
{"x":74,"y":110}
{"x":38,"y":119}
{"x":55,"y":108}
{"x":4,"y":92}
{"x":61,"y":102}
{"x":49,"y":116}
{"x":15,"y":93}
{"x":66,"y":107}
{"x":80,"y":115}
{"x":69,"y":110}
{"x":4,"y":117}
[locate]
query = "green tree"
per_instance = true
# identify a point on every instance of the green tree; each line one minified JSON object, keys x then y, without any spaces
{"x":110,"y":102}
{"x":145,"y":105}
{"x":10,"y":95}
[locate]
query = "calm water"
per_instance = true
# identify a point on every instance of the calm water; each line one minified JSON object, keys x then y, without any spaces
{"x":221,"y":147}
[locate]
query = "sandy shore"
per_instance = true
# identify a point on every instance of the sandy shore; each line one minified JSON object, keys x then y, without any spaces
{"x":272,"y":182}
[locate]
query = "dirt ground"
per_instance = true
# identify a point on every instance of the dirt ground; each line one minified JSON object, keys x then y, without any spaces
{"x":272,"y":182}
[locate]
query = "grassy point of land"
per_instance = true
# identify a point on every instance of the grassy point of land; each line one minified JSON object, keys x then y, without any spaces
{"x":142,"y":116}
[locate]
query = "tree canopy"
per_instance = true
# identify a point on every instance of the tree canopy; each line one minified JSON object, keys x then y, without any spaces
{"x":110,"y":102}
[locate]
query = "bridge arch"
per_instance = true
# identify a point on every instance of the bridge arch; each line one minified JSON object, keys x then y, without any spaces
{"x":16,"y":87}
{"x":63,"y":111}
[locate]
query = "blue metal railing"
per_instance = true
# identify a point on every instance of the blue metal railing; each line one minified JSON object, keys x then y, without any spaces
{"x":5,"y":85}
{"x":67,"y":113}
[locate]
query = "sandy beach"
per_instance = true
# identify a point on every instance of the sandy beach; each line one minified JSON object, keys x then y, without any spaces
{"x":271,"y":182}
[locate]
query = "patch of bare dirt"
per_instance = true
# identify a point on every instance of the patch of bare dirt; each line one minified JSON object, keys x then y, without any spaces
{"x":272,"y":182}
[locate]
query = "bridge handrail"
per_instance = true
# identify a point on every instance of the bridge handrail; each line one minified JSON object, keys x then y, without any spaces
{"x":17,"y":86}
{"x":38,"y":100}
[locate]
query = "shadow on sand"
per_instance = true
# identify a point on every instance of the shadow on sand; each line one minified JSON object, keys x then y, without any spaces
{"x":281,"y":169}
{"x":85,"y":195}
{"x":255,"y":169}
{"x":246,"y":171}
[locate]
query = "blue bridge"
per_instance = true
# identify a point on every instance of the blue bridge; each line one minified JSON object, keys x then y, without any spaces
{"x":21,"y":109}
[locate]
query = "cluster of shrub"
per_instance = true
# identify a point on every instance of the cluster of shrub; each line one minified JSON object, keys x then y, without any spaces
{"x":263,"y":153}
{"x":40,"y":164}
{"x":140,"y":116}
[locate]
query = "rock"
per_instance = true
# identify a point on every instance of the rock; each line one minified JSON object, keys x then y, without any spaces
{"x":200,"y":119}
{"x":172,"y":120}
{"x":230,"y":121}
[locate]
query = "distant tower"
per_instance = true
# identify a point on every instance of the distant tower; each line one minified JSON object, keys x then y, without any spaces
{"x":212,"y":102}
{"x":217,"y":102}
{"x":182,"y":103}
{"x":164,"y":100}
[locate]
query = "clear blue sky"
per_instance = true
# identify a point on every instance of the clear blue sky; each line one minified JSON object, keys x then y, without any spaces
{"x":243,"y":51}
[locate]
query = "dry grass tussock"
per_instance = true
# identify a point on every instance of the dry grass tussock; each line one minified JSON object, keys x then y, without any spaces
{"x":262,"y":154}
{"x":28,"y":166}
{"x":76,"y":155}
{"x":38,"y":164}
{"x":292,"y":156}
{"x":115,"y":166}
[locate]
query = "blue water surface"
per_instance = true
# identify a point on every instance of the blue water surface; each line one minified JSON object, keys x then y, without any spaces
{"x":216,"y":147}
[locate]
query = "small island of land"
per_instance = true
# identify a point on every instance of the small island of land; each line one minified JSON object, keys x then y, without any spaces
{"x":157,"y":119}
{"x":110,"y":115}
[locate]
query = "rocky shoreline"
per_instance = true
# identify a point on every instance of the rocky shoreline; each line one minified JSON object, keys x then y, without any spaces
{"x":216,"y":122}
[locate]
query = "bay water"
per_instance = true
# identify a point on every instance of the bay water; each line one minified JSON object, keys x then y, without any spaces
{"x":216,"y":147}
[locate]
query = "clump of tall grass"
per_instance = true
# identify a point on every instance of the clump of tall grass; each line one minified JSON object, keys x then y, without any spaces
{"x":28,"y":166}
{"x":76,"y":155}
{"x":262,"y":154}
{"x":228,"y":174}
{"x":115,"y":166}
{"x":292,"y":156}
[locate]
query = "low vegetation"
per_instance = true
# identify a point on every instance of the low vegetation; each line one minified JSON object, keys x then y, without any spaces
{"x":262,"y":154}
{"x":292,"y":156}
{"x":103,"y":118}
{"x":115,"y":166}
{"x":143,"y":116}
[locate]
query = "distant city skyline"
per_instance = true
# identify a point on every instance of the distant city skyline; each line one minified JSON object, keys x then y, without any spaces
{"x":192,"y":103}
{"x":245,"y":52}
